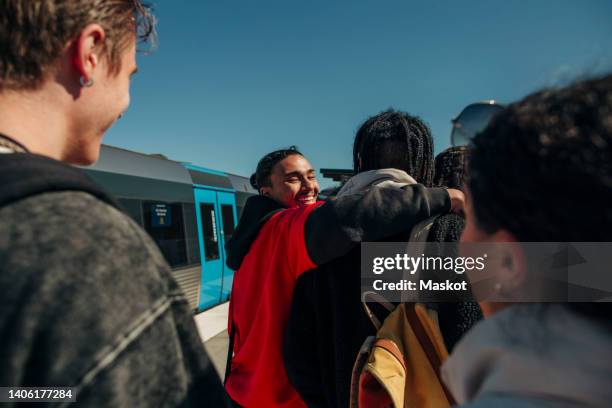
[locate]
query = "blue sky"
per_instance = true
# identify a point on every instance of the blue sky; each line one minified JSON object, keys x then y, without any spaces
{"x":232,"y":80}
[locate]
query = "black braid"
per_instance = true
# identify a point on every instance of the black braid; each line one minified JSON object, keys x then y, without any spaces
{"x":394,"y":139}
{"x":450,"y":168}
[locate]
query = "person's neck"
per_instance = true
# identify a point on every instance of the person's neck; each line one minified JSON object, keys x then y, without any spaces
{"x":36,"y":120}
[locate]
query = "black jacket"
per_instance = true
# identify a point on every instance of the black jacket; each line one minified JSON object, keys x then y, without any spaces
{"x":326,"y":328}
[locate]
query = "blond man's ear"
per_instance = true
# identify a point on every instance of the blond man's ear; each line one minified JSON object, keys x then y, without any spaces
{"x":87,"y":50}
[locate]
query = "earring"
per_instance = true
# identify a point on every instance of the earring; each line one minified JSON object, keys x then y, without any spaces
{"x":87,"y":84}
{"x":498,"y":287}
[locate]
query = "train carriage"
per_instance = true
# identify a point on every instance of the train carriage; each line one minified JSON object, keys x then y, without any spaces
{"x":189,"y":211}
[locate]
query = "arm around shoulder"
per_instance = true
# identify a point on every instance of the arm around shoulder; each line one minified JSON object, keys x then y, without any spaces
{"x":341,"y":223}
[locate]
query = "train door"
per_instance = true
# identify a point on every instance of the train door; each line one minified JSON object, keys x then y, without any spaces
{"x":211,"y":249}
{"x":228,"y":219}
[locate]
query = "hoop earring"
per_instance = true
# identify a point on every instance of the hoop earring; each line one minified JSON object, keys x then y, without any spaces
{"x":87,"y":84}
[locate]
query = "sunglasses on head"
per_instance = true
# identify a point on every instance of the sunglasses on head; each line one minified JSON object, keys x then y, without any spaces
{"x":472,"y":120}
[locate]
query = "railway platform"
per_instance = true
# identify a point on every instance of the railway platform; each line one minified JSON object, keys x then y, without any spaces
{"x":212,"y":326}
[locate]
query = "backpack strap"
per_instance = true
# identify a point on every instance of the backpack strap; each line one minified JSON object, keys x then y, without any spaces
{"x":420,"y":231}
{"x":379,"y":300}
{"x":416,"y":244}
{"x":23,"y":175}
{"x":428,"y":347}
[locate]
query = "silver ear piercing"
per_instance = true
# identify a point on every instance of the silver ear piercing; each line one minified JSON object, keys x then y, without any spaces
{"x":86,"y":84}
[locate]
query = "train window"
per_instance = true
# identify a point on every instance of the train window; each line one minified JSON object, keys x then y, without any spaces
{"x":164,"y":223}
{"x":227,"y":211}
{"x":209,"y":231}
{"x":191,"y":233}
{"x":133,"y":208}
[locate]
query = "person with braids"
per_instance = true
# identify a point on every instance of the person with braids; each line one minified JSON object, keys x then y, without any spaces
{"x":539,"y":354}
{"x":450,"y":168}
{"x":327,"y":324}
{"x":455,"y":318}
{"x":395,"y":140}
{"x":283,"y":232}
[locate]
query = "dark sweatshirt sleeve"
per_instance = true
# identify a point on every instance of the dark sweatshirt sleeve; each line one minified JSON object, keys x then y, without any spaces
{"x":343,"y":222}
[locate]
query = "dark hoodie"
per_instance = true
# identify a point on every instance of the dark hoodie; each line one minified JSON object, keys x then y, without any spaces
{"x":272,"y":247}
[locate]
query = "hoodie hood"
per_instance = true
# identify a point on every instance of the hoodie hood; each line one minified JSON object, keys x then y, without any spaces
{"x":386,"y":178}
{"x":536,"y":353}
{"x":257,"y":210}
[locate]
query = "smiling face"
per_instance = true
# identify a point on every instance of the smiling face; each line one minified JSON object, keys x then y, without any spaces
{"x":293,"y":182}
{"x":114,"y":88}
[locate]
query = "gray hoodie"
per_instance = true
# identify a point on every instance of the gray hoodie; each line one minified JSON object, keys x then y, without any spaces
{"x":532,"y":355}
{"x":383,"y":178}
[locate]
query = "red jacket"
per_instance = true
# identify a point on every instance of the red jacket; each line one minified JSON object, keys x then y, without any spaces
{"x":259,"y":309}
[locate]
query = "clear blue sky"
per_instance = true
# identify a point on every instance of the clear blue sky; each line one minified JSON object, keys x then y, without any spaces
{"x":232,"y":80}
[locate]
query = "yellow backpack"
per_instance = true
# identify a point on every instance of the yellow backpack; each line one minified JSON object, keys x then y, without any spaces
{"x":400,"y":367}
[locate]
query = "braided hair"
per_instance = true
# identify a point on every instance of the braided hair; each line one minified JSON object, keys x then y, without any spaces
{"x":450,"y":168}
{"x":261,"y":177}
{"x":394,"y":139}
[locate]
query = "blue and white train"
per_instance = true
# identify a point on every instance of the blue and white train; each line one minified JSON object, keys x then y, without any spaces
{"x":189,"y":211}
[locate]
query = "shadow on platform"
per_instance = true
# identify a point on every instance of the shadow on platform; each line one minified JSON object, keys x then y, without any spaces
{"x":217,"y":350}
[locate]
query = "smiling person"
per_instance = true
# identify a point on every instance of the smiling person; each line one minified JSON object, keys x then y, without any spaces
{"x":88,"y":301}
{"x":285,"y":231}
{"x":291,"y":182}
